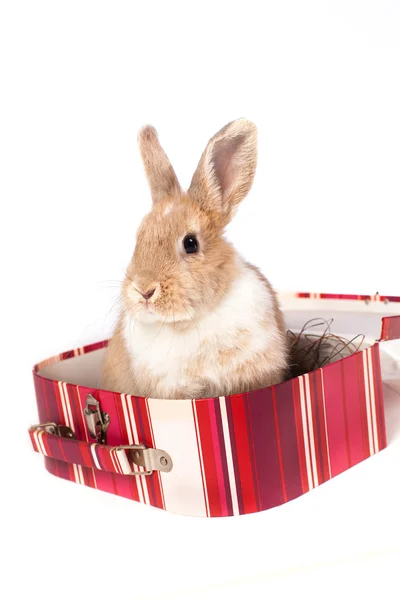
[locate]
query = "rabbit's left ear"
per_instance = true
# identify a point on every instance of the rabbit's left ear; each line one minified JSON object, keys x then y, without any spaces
{"x":226,"y":169}
{"x":160,"y":174}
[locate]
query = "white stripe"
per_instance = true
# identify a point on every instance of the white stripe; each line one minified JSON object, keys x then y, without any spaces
{"x":154,"y":446}
{"x":305,"y":433}
{"x":123,"y":462}
{"x":196,"y":424}
{"x":142,"y":478}
{"x":76,"y":474}
{"x":96,"y":460}
{"x":36,"y":438}
{"x":366,"y":386}
{"x":128,"y":425}
{"x":174,"y":431}
{"x":229,"y":458}
{"x":326,"y":427}
{"x":127,"y":421}
{"x":80,"y":475}
{"x":39,"y":442}
{"x":68,"y":422}
{"x":372,"y":398}
{"x":311,"y":429}
{"x":115,"y":462}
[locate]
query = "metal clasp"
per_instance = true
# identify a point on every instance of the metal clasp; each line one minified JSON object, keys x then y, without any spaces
{"x":54,"y":429}
{"x":151,"y":459}
{"x":97,"y":421}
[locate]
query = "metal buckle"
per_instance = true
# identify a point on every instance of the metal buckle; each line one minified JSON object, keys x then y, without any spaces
{"x":54,"y":429}
{"x":97,"y":421}
{"x":151,"y":459}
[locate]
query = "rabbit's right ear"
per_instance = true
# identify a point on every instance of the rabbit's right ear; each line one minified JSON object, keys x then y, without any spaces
{"x":226,"y":169}
{"x":160,"y":174}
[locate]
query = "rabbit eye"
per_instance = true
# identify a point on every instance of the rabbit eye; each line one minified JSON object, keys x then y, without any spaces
{"x":190,"y":244}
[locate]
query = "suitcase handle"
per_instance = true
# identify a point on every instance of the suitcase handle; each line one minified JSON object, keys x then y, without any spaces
{"x":58,"y":442}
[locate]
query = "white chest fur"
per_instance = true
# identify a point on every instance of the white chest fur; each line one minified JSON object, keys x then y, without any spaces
{"x":170,"y":355}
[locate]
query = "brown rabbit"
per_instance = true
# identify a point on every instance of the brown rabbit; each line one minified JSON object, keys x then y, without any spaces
{"x":197,"y":320}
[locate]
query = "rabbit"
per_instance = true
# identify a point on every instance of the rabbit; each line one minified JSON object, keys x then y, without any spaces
{"x":197,"y":320}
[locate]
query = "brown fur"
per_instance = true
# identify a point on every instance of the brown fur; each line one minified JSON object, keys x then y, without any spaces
{"x":191,"y":286}
{"x":156,"y":260}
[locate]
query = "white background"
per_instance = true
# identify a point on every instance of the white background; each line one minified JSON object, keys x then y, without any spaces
{"x":322,"y":82}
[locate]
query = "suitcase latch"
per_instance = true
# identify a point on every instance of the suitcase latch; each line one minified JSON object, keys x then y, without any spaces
{"x":96,"y":420}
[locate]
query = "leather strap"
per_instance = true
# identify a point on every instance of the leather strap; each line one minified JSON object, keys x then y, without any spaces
{"x":47,"y":439}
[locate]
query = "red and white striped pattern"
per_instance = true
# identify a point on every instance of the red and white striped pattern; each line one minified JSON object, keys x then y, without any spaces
{"x":81,"y":454}
{"x":362,"y":297}
{"x":231,"y":455}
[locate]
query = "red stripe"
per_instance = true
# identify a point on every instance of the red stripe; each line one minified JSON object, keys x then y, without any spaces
{"x":385,"y":329}
{"x":243,"y":454}
{"x":128,"y":485}
{"x":54,"y":448}
{"x":310,"y":429}
{"x":363,"y":297}
{"x":362,"y":403}
{"x":391,"y":298}
{"x":40,"y":388}
{"x":33,"y":440}
{"x":380,"y":414}
{"x":53,"y":407}
{"x":153,"y":443}
{"x":253,"y":453}
{"x":209,"y":458}
{"x":76,"y":411}
{"x":131,"y":402}
{"x":194,"y":410}
{"x":153,"y":482}
{"x":63,"y":413}
{"x":355,"y":414}
{"x":320,"y":420}
{"x":88,"y":477}
{"x":104,"y":458}
{"x":344,"y":401}
{"x":120,"y":426}
{"x":300,"y":434}
{"x":63,"y":453}
{"x":345,"y":297}
{"x":87,"y":456}
{"x":287,"y":432}
{"x":335,"y":418}
{"x":107,"y":482}
{"x":315,"y":425}
{"x":278,"y":443}
{"x":133,"y":414}
{"x":390,"y":328}
{"x":43,"y":437}
{"x":59,"y":468}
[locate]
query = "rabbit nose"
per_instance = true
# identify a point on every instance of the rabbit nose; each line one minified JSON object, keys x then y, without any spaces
{"x":148,"y":294}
